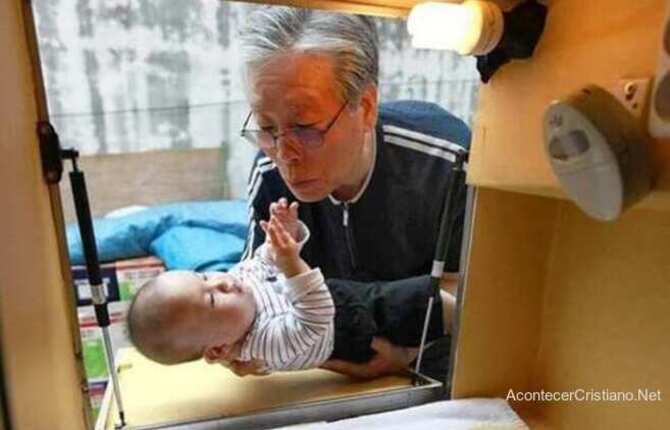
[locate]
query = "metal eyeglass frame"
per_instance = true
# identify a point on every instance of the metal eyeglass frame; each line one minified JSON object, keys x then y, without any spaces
{"x":304,"y":135}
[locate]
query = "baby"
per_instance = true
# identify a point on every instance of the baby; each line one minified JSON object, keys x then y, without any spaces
{"x":275,"y":309}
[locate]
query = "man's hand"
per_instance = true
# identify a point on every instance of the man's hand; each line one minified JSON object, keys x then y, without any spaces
{"x":284,"y":250}
{"x":449,"y":282}
{"x":287,"y":215}
{"x":244,"y":368}
{"x":390,"y":359}
{"x":448,"y":293}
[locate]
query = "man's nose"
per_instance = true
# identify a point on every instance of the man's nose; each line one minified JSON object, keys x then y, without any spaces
{"x":288,"y":150}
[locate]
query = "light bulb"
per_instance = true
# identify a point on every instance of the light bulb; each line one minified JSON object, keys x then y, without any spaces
{"x":471,"y":28}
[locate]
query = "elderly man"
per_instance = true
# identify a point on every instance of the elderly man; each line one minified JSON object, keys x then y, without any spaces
{"x":371,"y":178}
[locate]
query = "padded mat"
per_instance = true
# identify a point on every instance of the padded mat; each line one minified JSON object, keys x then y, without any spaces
{"x":153,"y":393}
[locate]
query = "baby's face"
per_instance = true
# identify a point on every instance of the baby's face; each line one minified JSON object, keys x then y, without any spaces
{"x":218,"y":309}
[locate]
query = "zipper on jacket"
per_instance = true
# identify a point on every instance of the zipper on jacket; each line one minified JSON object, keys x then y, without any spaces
{"x":348,"y":235}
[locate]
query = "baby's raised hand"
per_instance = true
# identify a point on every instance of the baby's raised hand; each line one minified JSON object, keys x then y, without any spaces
{"x":282,"y":244}
{"x":287,"y":215}
{"x":284,"y":250}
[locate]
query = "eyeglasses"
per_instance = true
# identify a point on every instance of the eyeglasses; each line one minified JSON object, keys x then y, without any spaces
{"x":308,"y":137}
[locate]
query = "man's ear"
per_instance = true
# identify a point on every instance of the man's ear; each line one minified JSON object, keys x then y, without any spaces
{"x":369,"y":101}
{"x":215,"y":354}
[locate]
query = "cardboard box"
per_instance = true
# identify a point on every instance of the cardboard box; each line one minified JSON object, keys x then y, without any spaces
{"x":132,"y":274}
{"x":121,"y":279}
{"x":93,"y":346}
{"x":96,"y":392}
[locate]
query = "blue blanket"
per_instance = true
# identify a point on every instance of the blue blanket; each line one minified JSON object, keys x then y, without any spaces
{"x":190,"y":236}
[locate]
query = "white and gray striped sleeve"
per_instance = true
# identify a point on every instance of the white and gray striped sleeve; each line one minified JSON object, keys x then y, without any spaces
{"x":307,"y":326}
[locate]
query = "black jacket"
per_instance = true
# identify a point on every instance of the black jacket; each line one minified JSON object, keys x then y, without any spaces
{"x":390,"y":231}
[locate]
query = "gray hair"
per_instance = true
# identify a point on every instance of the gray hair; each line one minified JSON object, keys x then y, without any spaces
{"x":351,"y":40}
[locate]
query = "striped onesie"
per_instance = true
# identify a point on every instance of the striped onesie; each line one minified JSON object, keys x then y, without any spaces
{"x":294,"y":327}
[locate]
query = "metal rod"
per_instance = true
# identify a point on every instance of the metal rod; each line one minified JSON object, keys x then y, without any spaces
{"x":447,"y":219}
{"x":111,"y":365}
{"x":456,"y":177}
{"x":98,"y":297}
{"x":426,"y":321}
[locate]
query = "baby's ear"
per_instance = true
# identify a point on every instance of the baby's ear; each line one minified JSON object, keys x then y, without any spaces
{"x":215,"y":354}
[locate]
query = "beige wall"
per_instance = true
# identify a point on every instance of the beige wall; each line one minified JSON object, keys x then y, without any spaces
{"x":606,"y":320}
{"x":556,"y":301}
{"x":40,"y":372}
{"x":499,"y":329}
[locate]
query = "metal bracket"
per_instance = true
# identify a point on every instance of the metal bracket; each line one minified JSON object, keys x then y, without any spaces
{"x":50,"y":152}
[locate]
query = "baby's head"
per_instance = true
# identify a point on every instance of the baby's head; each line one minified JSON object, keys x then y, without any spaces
{"x":182,"y":316}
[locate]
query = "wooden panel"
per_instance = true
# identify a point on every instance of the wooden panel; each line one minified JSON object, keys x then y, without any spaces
{"x":597,"y":41}
{"x":41,"y":373}
{"x":556,"y":301}
{"x":387,"y":8}
{"x":498,"y":330}
{"x":4,"y":410}
{"x":605,"y":319}
{"x":153,"y":393}
{"x":148,"y":178}
{"x":596,"y":294}
{"x":392,"y":9}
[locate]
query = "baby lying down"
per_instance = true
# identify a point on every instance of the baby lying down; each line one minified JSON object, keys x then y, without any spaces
{"x":276,"y":310}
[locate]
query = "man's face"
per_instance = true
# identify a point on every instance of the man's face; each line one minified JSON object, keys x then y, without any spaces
{"x":298,"y":90}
